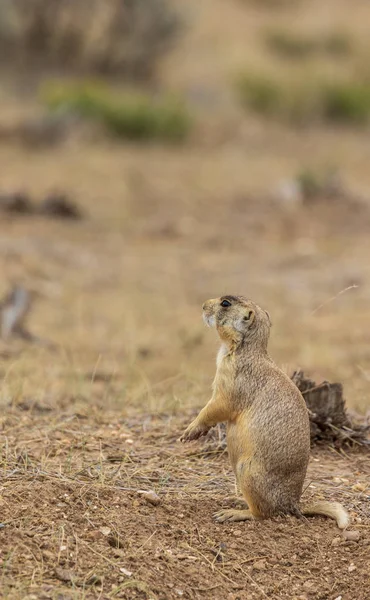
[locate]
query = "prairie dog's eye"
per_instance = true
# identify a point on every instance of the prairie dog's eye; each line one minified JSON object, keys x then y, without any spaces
{"x":225,"y":303}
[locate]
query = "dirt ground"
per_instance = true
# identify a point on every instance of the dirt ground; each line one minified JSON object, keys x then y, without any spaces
{"x":75,"y":527}
{"x":87,"y":424}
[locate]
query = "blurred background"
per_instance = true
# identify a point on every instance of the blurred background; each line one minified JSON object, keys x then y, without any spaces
{"x":156,"y":153}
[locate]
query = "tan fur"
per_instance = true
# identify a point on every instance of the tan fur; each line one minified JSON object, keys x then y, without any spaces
{"x":268,"y":433}
{"x":328,"y":509}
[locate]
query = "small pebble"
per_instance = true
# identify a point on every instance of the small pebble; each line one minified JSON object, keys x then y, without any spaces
{"x":359,"y":487}
{"x":259,"y":565}
{"x":64,"y":575}
{"x":150,"y":496}
{"x":308,"y":585}
{"x":351,"y":536}
{"x":336,"y":541}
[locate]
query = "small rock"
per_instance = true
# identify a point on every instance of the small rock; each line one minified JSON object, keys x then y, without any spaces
{"x":352,"y":568}
{"x":336,"y":541}
{"x":126,"y":572}
{"x":105,"y":530}
{"x":93,"y":535}
{"x":359,"y":487}
{"x":150,"y":496}
{"x":338,"y":598}
{"x":259,"y":565}
{"x":351,"y":536}
{"x":237,"y":532}
{"x":65,"y":575}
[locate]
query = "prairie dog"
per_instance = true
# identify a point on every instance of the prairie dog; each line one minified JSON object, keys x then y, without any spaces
{"x":268,"y":431}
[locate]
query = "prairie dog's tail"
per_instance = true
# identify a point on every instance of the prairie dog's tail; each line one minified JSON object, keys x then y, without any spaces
{"x":333,"y":510}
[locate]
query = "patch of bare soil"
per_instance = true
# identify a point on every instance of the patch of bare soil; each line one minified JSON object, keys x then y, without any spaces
{"x":74,"y":526}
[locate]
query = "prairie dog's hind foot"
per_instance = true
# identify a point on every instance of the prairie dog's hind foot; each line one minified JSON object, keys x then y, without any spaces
{"x":233,"y":515}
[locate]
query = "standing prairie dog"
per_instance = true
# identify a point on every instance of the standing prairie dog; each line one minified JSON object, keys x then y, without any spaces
{"x":268,"y":432}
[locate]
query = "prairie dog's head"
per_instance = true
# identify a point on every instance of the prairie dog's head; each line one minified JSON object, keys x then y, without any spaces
{"x":238,"y":319}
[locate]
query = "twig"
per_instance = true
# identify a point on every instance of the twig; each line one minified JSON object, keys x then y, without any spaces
{"x":350,"y":287}
{"x":210,"y":563}
{"x":98,"y":553}
{"x":252,"y":581}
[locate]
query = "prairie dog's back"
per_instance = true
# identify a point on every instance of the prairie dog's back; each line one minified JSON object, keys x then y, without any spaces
{"x":273,"y":417}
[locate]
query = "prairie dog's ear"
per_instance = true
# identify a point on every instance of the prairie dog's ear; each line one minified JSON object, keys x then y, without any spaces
{"x":269,"y":318}
{"x":249,"y":316}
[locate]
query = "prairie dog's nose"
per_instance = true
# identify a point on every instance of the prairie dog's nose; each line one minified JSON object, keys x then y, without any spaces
{"x":207,"y":304}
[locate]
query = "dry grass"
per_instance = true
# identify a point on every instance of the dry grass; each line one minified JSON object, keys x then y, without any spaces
{"x":306,"y":100}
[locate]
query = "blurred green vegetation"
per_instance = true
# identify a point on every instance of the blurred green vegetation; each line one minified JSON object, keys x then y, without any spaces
{"x":130,"y":115}
{"x":307,"y":99}
{"x":310,"y":182}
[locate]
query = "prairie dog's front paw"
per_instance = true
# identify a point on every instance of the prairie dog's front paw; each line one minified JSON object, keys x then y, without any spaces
{"x":193,"y":432}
